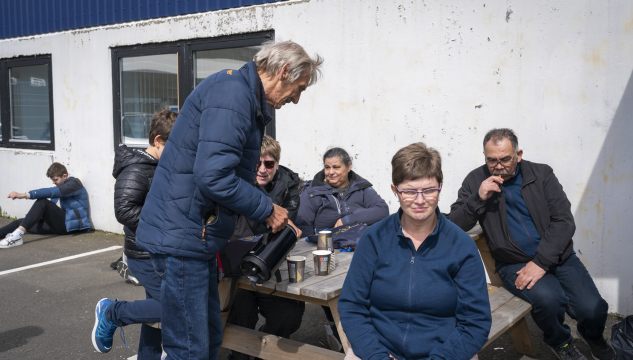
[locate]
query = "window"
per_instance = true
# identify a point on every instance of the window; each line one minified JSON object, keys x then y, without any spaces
{"x":153,"y":77}
{"x":26,"y":103}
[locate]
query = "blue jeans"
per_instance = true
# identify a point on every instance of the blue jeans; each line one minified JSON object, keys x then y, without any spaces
{"x":191,"y":320}
{"x":564,"y":288}
{"x":142,"y":311}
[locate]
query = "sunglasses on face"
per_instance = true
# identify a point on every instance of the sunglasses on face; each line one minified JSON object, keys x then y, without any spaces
{"x":268,"y":164}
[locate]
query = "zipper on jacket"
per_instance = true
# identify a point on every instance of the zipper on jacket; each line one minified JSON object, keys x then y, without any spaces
{"x":406,"y":331}
{"x":344,"y":204}
{"x":338,"y":205}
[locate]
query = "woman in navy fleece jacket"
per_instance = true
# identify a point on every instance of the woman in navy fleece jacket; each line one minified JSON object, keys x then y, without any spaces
{"x":416,"y":288}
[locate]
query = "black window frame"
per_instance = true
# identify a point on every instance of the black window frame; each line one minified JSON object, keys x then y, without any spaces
{"x":186,"y":81}
{"x":5,"y":101}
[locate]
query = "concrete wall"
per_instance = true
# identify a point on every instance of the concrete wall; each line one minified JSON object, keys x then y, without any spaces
{"x":443,"y":72}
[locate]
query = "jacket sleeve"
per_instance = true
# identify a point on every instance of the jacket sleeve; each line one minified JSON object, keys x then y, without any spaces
{"x":473,"y":307}
{"x":306,"y":215}
{"x":469,"y":207}
{"x":561,"y":226}
{"x":374,"y":210}
{"x":224,"y":129}
{"x":68,"y":187}
{"x":45,"y":193}
{"x":354,"y":303}
{"x":130,"y":190}
{"x":291,"y":202}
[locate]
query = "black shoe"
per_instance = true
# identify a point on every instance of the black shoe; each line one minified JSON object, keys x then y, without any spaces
{"x":568,"y":352}
{"x":114,"y":264}
{"x":600,"y":349}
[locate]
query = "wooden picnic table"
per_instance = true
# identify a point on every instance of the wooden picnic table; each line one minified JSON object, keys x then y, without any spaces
{"x":508,"y":311}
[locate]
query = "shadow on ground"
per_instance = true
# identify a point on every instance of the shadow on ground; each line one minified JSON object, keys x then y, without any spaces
{"x":14,"y":338}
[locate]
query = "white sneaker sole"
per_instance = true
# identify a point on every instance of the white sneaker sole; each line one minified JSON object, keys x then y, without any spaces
{"x":12,"y":245}
{"x":94,"y":329}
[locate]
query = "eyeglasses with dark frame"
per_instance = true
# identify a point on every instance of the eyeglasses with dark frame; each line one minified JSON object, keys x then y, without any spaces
{"x":505,"y":162}
{"x":268,"y":164}
{"x":427,"y":194}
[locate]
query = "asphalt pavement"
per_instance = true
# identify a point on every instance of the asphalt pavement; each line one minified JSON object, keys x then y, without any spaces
{"x":47,"y":312}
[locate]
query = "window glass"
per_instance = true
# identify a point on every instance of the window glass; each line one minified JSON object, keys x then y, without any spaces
{"x":29,"y":104}
{"x":209,"y":62}
{"x":148,"y":84}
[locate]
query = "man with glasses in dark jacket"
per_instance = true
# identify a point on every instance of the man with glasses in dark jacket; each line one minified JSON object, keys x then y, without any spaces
{"x":528,"y":224}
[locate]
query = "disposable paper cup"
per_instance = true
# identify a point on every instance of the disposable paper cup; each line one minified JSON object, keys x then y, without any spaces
{"x":322,"y":262}
{"x":296,"y":268}
{"x":325,"y":241}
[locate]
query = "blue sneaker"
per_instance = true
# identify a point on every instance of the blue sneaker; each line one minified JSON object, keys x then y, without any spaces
{"x":104,"y":329}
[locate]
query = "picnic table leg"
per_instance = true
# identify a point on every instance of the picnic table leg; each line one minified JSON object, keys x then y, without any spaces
{"x":224,"y":290}
{"x":333,"y":304}
{"x":522,"y":338}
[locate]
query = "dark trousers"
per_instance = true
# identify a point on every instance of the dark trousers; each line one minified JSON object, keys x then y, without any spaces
{"x":283,"y":316}
{"x":564,"y":288}
{"x":191,"y":320}
{"x":44,"y":218}
{"x":142,"y":311}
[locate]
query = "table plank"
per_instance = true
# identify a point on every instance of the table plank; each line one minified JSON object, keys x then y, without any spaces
{"x":311,"y":278}
{"x":303,"y":246}
{"x":326,"y":289}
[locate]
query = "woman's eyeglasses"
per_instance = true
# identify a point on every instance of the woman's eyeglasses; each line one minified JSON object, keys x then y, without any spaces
{"x":268,"y":164}
{"x":427,"y":194}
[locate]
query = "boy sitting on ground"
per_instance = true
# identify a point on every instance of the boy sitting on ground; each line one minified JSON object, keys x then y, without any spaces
{"x":45,"y":217}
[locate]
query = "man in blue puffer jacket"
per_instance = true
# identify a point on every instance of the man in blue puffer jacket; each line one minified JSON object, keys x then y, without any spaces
{"x":45,"y":217}
{"x":205,"y":178}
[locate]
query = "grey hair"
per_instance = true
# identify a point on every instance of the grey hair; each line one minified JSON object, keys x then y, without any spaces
{"x":274,"y":55}
{"x":497,"y":135}
{"x":338,"y":152}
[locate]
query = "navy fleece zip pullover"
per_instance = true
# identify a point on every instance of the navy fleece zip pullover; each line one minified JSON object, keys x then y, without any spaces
{"x":519,"y":219}
{"x":415,"y":304}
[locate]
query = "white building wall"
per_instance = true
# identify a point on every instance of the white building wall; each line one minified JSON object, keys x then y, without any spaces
{"x":443,"y":72}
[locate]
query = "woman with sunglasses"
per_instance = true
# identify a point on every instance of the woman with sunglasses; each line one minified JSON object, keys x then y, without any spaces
{"x":416,"y":287}
{"x":283,"y":316}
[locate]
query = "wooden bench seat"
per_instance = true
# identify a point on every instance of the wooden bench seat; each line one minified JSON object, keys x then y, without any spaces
{"x":508,"y":311}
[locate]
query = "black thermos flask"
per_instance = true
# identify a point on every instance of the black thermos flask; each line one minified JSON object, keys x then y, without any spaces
{"x":259,"y":264}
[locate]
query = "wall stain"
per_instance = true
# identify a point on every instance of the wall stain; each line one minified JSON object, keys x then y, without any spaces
{"x":596,"y":56}
{"x":628,"y":26}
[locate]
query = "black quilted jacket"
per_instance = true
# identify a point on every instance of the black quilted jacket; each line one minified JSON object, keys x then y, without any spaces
{"x":133,"y":171}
